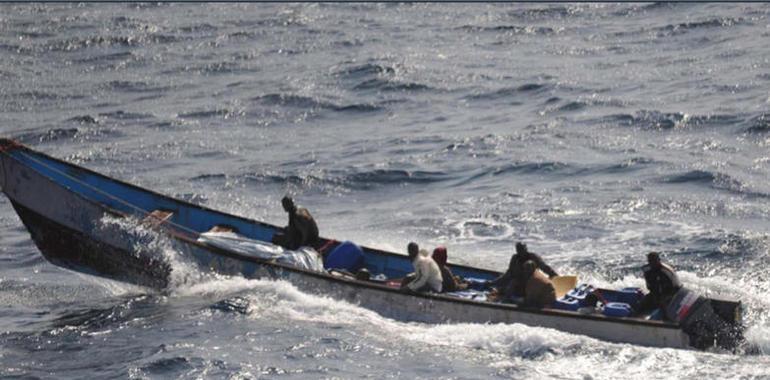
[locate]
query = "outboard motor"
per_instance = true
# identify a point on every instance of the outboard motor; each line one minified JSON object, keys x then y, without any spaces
{"x":699,"y":321}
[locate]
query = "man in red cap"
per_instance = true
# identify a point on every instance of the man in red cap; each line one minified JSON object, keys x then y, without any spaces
{"x":451,"y":282}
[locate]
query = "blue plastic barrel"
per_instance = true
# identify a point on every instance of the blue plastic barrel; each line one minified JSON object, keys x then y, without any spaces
{"x":346,"y":256}
{"x":631,"y":296}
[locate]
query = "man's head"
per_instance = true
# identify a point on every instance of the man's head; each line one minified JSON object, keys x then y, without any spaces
{"x":653,"y":259}
{"x":521,"y":248}
{"x":288,"y":204}
{"x":440,"y":256}
{"x":413,"y":249}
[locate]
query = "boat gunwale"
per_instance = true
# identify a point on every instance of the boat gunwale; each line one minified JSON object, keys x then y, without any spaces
{"x":323,"y":275}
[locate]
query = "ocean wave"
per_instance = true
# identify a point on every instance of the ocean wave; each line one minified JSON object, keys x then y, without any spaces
{"x":209,"y":177}
{"x":572,"y":106}
{"x":11,"y":48}
{"x":124,"y":115}
{"x":557,"y":104}
{"x":167,"y":367}
{"x":711,"y":23}
{"x":641,"y":9}
{"x":699,"y":176}
{"x":392,"y":176}
{"x":358,"y":180}
{"x":506,"y":92}
{"x":537,"y":168}
{"x":98,"y":318}
{"x":547,"y":13}
{"x":306,"y":102}
{"x":367,"y":69}
{"x":38,"y":95}
{"x":126,"y":22}
{"x":629,"y":165}
{"x":208,"y":114}
{"x":222,"y":68}
{"x":382,"y":84}
{"x":120,"y":56}
{"x":31,"y":34}
{"x":133,"y":86}
{"x":552,"y":168}
{"x":84,"y":132}
{"x":333,"y":179}
{"x":84,"y":119}
{"x":237,"y":304}
{"x":197,"y":28}
{"x":362,"y":107}
{"x":714,"y":180}
{"x":668,"y":120}
{"x":291,"y":100}
{"x":53,"y":134}
{"x":758,"y":124}
{"x":79,"y":43}
{"x":380,"y":77}
{"x":510,"y":29}
{"x":347,"y":44}
{"x":245,"y":34}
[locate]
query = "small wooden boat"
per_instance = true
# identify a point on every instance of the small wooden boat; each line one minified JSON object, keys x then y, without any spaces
{"x":71,"y":211}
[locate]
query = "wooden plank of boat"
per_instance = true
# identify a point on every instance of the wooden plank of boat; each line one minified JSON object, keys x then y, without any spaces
{"x":72,"y":233}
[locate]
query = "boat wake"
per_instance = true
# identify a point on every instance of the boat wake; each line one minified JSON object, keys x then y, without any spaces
{"x":280,"y":300}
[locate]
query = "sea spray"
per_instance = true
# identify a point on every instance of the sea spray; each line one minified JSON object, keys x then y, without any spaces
{"x":144,"y":241}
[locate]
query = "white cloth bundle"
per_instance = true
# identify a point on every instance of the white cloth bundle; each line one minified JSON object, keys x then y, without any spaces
{"x":304,"y":257}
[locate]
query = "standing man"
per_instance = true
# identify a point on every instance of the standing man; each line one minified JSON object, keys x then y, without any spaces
{"x":302,"y":229}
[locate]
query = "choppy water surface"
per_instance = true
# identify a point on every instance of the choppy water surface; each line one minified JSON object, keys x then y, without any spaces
{"x":594,"y":132}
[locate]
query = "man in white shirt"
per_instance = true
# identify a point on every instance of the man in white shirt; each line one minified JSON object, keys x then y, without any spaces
{"x":427,"y":275}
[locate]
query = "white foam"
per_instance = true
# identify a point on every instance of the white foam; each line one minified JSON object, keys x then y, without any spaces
{"x":758,"y":337}
{"x":111,"y":287}
{"x":536,"y":352}
{"x":217,"y":286}
{"x":148,"y":242}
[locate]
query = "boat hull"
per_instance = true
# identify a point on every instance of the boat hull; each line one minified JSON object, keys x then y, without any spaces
{"x":73,"y":250}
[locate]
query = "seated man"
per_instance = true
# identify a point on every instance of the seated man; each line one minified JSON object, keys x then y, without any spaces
{"x":426,"y":276}
{"x":662,"y":282}
{"x":539,"y":291}
{"x":451,"y":283}
{"x":511,"y":284}
{"x":302,"y":229}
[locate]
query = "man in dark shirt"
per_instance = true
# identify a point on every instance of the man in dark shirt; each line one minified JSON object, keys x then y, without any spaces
{"x":302,"y":229}
{"x":512,"y":283}
{"x":662,"y":282}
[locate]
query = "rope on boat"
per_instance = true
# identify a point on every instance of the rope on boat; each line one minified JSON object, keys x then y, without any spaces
{"x":138,"y":209}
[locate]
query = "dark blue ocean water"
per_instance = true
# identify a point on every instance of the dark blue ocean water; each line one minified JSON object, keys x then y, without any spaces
{"x":593,"y":132}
